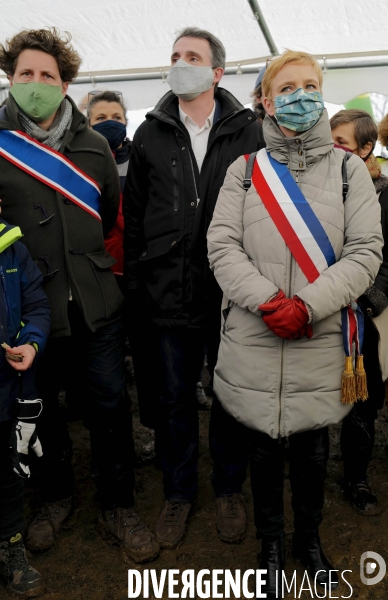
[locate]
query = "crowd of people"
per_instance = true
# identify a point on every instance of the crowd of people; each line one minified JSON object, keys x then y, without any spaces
{"x":255,"y":238}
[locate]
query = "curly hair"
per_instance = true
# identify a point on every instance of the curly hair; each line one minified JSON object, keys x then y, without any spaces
{"x":383,"y":131}
{"x":46,"y":40}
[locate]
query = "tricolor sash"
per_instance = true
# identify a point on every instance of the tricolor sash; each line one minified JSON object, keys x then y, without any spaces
{"x":52,"y":168}
{"x":293,"y":216}
{"x":354,"y":384}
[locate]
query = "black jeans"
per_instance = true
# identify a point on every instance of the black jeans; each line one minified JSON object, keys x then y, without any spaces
{"x":180,"y":357}
{"x":99,"y":358}
{"x":11,"y":489}
{"x":358,"y":427}
{"x":229,"y":447}
{"x":308,"y":458}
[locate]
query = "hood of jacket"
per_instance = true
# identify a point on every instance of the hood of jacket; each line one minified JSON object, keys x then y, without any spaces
{"x":312,"y":144}
{"x":167,"y":109}
{"x":8,"y":235}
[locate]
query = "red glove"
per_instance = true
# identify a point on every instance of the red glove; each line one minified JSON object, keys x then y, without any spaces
{"x":289,"y":321}
{"x":275,"y":303}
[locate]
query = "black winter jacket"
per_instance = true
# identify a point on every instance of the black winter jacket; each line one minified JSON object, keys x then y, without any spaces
{"x":65,"y":241}
{"x":168,"y":206}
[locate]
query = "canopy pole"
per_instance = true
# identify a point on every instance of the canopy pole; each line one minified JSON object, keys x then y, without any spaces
{"x":263,"y":26}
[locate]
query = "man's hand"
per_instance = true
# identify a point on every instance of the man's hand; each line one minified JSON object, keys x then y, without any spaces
{"x":26,"y":354}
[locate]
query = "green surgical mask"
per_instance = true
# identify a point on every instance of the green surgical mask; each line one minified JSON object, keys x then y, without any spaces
{"x":38,"y":100}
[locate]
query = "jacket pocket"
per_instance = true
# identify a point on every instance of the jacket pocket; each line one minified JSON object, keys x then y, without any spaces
{"x":226,"y":313}
{"x":103,"y":291}
{"x":161,"y":273}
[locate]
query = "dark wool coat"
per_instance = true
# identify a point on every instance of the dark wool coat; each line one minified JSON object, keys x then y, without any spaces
{"x":65,"y":241}
{"x":168,"y":206}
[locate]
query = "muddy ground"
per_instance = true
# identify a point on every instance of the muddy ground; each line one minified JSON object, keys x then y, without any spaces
{"x":81,"y":566}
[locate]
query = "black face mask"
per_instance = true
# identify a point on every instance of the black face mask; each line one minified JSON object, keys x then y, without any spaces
{"x":113,"y":131}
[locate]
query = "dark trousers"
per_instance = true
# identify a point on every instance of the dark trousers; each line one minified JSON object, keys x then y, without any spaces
{"x":11,"y":489}
{"x":358,"y":427}
{"x":179,"y":353}
{"x":308,"y":458}
{"x":99,"y":358}
{"x":229,"y":448}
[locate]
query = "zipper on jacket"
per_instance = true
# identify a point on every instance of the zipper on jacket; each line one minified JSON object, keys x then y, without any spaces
{"x":191,"y":163}
{"x":5,"y":294}
{"x":280,"y":389}
{"x":287,"y":292}
{"x":195,"y":183}
{"x":174,"y":159}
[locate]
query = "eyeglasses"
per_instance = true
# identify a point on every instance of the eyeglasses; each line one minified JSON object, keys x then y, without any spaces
{"x":98,"y":92}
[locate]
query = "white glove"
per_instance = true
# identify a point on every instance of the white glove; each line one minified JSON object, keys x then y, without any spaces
{"x":24,"y":436}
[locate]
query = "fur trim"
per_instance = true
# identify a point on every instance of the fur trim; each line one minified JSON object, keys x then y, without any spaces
{"x":381,"y":183}
{"x":377,"y":298}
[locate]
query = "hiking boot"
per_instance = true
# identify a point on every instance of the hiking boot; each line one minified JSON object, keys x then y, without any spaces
{"x":171,"y":525}
{"x":125,"y":526}
{"x":22,"y":579}
{"x":306,"y":548}
{"x":43,"y":530}
{"x":203,"y":401}
{"x":362,"y":498}
{"x":231,"y":518}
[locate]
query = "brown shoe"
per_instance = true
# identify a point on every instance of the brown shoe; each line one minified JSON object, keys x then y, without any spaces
{"x":125,"y":526}
{"x":43,"y":530}
{"x":171,"y":525}
{"x":231,"y":518}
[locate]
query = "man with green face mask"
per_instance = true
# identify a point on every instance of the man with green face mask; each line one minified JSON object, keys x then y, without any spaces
{"x":59,"y":182}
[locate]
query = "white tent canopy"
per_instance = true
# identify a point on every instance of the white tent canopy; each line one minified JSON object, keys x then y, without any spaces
{"x":129,"y":39}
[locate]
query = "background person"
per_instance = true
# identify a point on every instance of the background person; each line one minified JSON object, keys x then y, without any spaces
{"x":356,"y":131}
{"x":383,"y":139}
{"x":257,"y":105}
{"x":281,"y":354}
{"x":22,"y":300}
{"x":65,"y":235}
{"x":106,"y":114}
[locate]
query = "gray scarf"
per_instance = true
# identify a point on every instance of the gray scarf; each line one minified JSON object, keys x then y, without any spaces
{"x":52,"y":137}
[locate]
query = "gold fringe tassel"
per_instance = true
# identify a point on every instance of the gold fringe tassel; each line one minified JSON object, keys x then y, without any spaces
{"x":361,"y":383}
{"x":348,"y":389}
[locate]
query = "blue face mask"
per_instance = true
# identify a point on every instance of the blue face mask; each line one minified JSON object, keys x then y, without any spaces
{"x":300,"y":110}
{"x":113,"y":131}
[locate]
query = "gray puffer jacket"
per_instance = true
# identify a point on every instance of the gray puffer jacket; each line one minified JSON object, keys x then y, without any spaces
{"x":276,"y":386}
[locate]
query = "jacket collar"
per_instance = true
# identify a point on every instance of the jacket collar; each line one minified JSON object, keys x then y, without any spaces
{"x":8,"y":235}
{"x":226,"y":106}
{"x":314,"y":143}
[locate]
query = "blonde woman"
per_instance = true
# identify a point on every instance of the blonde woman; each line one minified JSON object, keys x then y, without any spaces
{"x":289,"y":254}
